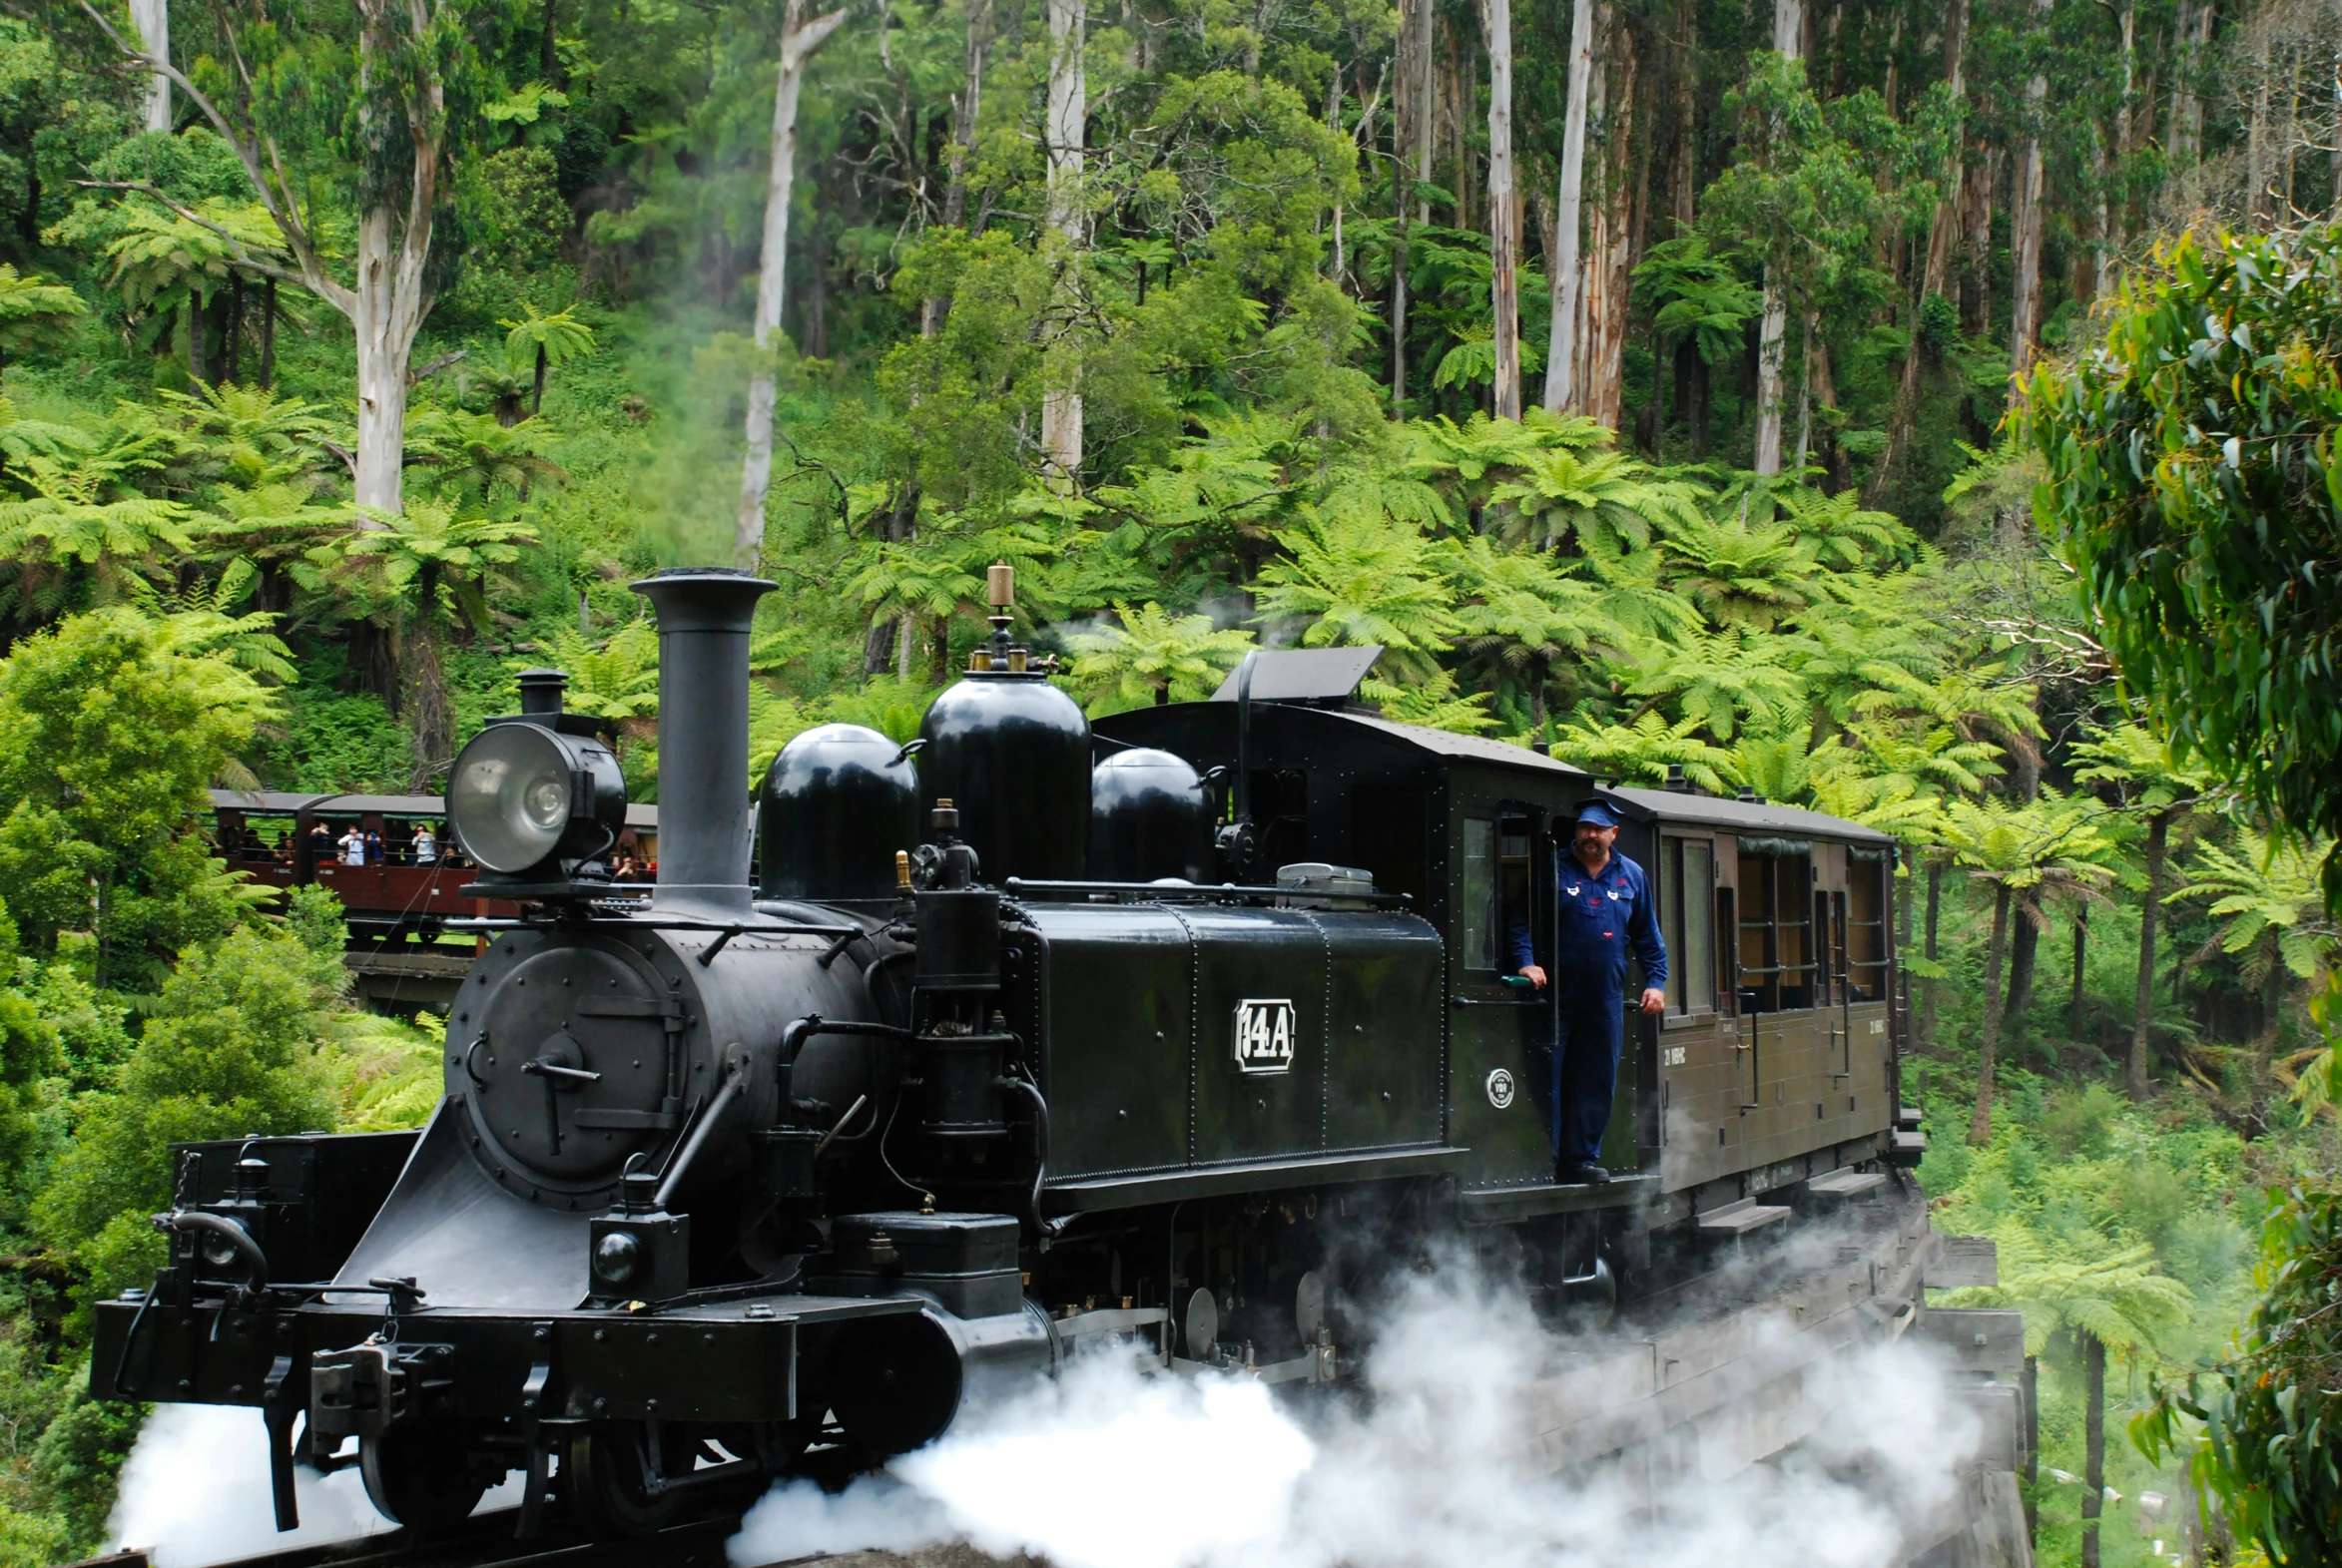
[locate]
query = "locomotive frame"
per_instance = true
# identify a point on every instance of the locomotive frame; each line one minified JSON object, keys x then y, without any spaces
{"x":741,"y":1176}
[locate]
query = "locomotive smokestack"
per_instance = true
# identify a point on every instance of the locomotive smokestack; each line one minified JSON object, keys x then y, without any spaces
{"x":704,"y":614}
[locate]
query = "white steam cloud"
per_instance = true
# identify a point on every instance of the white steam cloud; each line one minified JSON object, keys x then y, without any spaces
{"x":195,"y":1491}
{"x":1431,"y":1466}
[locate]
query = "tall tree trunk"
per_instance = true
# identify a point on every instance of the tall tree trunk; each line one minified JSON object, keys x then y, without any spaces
{"x":151,"y":18}
{"x":1427,"y":101}
{"x":798,"y":40}
{"x":2093,"y":1437}
{"x":232,"y":341}
{"x":267,"y":333}
{"x":2114,"y":201}
{"x":2025,"y":221}
{"x":1561,"y":338}
{"x":2256,"y":139}
{"x":1942,"y":230}
{"x":2081,"y":955}
{"x":2024,"y":948}
{"x":1980,"y":1124}
{"x":536,"y":397}
{"x":1410,"y":160}
{"x":1683,"y":174}
{"x":965,"y":105}
{"x":198,"y":362}
{"x":548,"y":54}
{"x":1068,"y":112}
{"x":1625,"y":174}
{"x":1504,"y":207}
{"x":1789,"y":40}
{"x":2149,"y":919}
{"x":1927,"y":1005}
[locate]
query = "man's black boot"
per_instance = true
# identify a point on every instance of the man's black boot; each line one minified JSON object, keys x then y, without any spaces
{"x":1584,"y":1175}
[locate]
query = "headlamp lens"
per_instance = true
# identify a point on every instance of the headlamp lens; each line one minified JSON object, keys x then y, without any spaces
{"x":615,"y":1258}
{"x":509,"y":797}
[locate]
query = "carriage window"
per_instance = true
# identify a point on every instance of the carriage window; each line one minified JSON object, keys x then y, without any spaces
{"x":1866,"y":927}
{"x":1777,"y":936}
{"x":1476,"y":924}
{"x":1686,"y":878}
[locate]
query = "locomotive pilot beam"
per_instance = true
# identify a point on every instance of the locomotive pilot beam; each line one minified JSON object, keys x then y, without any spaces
{"x":1176,"y":1032}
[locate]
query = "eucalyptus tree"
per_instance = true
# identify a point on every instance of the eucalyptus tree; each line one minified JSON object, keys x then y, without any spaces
{"x":800,"y":37}
{"x":2188,"y":474}
{"x":385,"y":91}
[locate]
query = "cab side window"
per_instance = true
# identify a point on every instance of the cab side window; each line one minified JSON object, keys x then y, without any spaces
{"x":1478,"y":927}
{"x":1497,"y":878}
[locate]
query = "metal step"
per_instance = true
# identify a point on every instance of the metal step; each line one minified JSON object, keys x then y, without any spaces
{"x":1741,"y":1218}
{"x":1847,"y":1183}
{"x":1906,"y":1149}
{"x":1907,"y":1119}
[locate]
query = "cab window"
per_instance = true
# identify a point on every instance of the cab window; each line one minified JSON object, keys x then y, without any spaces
{"x":1496,"y":881}
{"x":1477,"y":931}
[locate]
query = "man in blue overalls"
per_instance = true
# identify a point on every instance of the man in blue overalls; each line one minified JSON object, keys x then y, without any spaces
{"x":1602,"y":908}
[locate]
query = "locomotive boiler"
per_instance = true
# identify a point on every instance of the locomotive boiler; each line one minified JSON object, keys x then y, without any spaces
{"x":1027,"y":1036}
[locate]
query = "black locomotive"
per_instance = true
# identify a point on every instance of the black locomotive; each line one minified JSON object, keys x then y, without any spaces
{"x":1031,"y":1035}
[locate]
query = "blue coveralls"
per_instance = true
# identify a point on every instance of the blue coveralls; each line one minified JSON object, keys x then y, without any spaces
{"x":1597,"y":919}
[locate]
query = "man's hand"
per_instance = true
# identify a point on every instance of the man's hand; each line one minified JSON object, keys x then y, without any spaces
{"x":1534,"y":975}
{"x":1654,"y":1000}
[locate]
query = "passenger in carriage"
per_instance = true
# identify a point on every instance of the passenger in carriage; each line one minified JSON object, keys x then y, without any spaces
{"x":1602,"y":908}
{"x":425,"y":845}
{"x":321,"y":844}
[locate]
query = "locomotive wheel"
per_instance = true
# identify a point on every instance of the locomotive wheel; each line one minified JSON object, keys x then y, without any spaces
{"x":419,"y":1477}
{"x":603,"y":1475}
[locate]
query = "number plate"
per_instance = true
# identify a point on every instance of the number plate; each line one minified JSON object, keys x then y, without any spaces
{"x":1266,"y":1034}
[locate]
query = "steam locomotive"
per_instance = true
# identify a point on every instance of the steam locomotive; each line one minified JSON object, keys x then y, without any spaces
{"x":1034,"y":1036}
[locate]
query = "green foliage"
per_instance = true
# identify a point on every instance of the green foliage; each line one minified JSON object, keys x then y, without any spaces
{"x":232,"y":1046}
{"x":2268,"y":1409}
{"x":1154,"y":657}
{"x":2192,"y":473}
{"x":108,"y":738}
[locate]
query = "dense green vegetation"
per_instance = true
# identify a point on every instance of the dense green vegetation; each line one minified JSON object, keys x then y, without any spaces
{"x":1228,"y":325}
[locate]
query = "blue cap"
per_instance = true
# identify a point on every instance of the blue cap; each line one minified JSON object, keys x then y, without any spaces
{"x":1595,"y":814}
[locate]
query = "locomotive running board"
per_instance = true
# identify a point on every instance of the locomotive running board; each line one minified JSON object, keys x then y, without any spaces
{"x":1504,"y":1205}
{"x":1164,"y":1187}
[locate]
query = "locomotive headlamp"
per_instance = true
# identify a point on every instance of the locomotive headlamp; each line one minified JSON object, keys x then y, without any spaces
{"x":521,"y":793}
{"x":615,"y":1258}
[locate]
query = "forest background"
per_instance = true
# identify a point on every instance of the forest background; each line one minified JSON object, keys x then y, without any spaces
{"x":1634,"y":371}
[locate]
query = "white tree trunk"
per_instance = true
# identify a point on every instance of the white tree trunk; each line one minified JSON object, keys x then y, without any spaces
{"x":1561,"y":335}
{"x":1788,"y":39}
{"x":1504,"y":208}
{"x":385,"y":323}
{"x":1068,"y":112}
{"x":2024,"y":220}
{"x":153,"y":20}
{"x":798,"y":40}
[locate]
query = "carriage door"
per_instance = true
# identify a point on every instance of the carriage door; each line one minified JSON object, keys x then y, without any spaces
{"x":1500,"y":1028}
